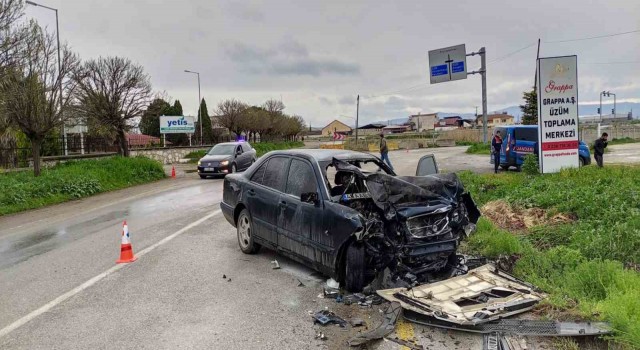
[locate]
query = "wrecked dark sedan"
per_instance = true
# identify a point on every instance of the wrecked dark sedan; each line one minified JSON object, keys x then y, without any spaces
{"x":347,"y":215}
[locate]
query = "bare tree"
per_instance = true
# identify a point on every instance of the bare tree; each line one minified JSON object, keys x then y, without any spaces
{"x":113,"y":91}
{"x":33,"y":87}
{"x":13,"y":35}
{"x":232,"y":115}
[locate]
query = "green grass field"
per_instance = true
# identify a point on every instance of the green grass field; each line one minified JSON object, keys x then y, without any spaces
{"x":590,"y":263}
{"x":479,"y":148}
{"x":72,"y":180}
{"x":261,"y":148}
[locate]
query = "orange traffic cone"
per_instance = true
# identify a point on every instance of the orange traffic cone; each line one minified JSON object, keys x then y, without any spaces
{"x":173,"y":172}
{"x":126,"y":251}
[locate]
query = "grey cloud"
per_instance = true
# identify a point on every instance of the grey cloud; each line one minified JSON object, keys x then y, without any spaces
{"x":290,"y":58}
{"x":325,"y":101}
{"x":347,"y":100}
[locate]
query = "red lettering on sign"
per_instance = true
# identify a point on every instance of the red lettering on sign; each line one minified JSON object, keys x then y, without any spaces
{"x":559,"y":145}
{"x":560,"y":88}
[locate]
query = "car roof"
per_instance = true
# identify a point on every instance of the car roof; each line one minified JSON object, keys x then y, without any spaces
{"x":231,"y":143}
{"x":323,"y":155}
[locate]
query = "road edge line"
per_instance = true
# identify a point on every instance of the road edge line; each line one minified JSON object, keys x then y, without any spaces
{"x":55,"y":302}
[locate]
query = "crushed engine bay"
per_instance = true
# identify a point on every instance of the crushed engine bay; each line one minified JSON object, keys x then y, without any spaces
{"x":412,"y":226}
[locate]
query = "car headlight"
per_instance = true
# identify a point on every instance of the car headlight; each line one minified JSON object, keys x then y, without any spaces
{"x":224,"y":162}
{"x":199,"y":162}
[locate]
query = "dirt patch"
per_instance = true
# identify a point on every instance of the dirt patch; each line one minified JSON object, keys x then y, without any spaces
{"x":512,"y":218}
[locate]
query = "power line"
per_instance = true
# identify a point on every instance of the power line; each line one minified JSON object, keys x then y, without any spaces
{"x":592,"y":37}
{"x":619,"y":62}
{"x":510,"y":54}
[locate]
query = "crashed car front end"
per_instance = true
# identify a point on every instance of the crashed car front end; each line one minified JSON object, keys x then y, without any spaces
{"x":412,"y":226}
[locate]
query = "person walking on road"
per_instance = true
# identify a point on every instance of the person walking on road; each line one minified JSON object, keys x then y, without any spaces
{"x":598,"y":149}
{"x":496,"y":145}
{"x":384,"y":151}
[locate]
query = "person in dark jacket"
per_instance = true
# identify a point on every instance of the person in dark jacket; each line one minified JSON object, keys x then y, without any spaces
{"x":598,"y":148}
{"x":496,"y":145}
{"x":384,"y":151}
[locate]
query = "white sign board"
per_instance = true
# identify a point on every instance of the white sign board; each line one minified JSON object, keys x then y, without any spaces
{"x":448,"y":64}
{"x":558,"y":113}
{"x":177,"y":125}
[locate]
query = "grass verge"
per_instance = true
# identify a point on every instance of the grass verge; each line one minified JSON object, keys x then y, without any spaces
{"x":261,"y":148}
{"x":72,"y":180}
{"x":589,"y":267}
{"x":479,"y":148}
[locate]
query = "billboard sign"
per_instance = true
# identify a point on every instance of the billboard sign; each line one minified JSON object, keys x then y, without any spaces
{"x":448,"y":64}
{"x":558,"y":113}
{"x":177,"y":125}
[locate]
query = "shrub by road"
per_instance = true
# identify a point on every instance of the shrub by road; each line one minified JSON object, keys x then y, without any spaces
{"x":479,"y":148}
{"x":261,"y":148}
{"x":588,"y":263}
{"x":72,"y":180}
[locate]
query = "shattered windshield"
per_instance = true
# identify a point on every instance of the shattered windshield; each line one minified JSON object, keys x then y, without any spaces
{"x":341,"y":182}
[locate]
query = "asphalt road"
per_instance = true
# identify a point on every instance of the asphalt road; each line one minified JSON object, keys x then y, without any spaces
{"x":191,"y":287}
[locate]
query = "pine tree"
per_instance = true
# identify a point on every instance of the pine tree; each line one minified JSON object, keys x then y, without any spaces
{"x":150,"y":121}
{"x":530,"y":108}
{"x":207,"y":129}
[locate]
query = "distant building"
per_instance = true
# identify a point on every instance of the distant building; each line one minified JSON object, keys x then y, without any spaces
{"x":395,"y":129}
{"x":371,"y":129}
{"x":494,"y":120}
{"x":452,"y":123}
{"x":423,"y":122}
{"x":336,"y":127}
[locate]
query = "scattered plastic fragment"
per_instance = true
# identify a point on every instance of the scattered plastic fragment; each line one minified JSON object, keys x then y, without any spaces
{"x":275,"y":264}
{"x":325,"y":317}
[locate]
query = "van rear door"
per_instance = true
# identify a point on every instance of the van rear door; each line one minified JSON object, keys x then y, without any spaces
{"x":525,"y":143}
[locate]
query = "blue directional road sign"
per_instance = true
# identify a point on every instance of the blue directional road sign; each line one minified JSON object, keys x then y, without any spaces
{"x":448,"y":64}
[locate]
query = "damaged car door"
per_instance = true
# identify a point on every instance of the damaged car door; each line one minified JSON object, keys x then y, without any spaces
{"x":427,"y":165}
{"x":263,"y":194}
{"x":301,"y":212}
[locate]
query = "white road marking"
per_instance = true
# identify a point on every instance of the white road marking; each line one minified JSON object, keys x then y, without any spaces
{"x":22,"y":321}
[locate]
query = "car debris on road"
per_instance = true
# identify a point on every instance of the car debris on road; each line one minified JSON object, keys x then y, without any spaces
{"x":482,"y":295}
{"x":325,"y":317}
{"x":388,"y":325}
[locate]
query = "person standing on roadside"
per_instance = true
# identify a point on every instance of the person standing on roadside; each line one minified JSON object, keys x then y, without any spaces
{"x":384,"y":151}
{"x":598,"y":149}
{"x":496,"y":145}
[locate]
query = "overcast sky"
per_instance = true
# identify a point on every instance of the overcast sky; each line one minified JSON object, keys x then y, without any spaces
{"x":318,"y":55}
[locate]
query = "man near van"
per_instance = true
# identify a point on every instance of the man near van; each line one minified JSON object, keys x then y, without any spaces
{"x":384,"y":151}
{"x":496,"y":145}
{"x":598,"y":148}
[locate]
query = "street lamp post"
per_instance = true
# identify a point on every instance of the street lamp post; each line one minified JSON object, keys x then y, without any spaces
{"x":199,"y":104}
{"x":64,"y":129}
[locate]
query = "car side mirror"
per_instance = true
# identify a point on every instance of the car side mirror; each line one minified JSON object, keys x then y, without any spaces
{"x":309,"y":197}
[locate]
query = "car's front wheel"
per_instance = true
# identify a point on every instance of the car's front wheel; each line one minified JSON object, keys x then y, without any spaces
{"x":354,"y":268}
{"x":245,"y":233}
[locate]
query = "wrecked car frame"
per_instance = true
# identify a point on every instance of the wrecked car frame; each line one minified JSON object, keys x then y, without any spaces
{"x":367,"y":221}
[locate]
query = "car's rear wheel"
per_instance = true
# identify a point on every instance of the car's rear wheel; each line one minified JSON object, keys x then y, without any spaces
{"x":354,"y":268}
{"x":504,"y":167}
{"x":245,"y":233}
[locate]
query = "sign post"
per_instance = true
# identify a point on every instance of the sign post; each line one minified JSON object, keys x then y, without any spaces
{"x":558,"y":113}
{"x":450,"y":64}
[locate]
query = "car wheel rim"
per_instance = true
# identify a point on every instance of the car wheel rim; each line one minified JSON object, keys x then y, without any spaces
{"x":244,"y":231}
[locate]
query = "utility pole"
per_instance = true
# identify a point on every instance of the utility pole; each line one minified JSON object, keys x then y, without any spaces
{"x":600,"y":109}
{"x":535,"y":79}
{"x":357,"y":116}
{"x":483,"y":73}
{"x":199,"y":103}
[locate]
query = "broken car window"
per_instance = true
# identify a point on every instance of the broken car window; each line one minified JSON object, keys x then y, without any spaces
{"x":275,"y":175}
{"x":259,"y":174}
{"x":301,"y":178}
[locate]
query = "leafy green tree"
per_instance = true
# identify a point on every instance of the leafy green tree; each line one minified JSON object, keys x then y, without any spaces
{"x":530,"y":108}
{"x":150,"y":121}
